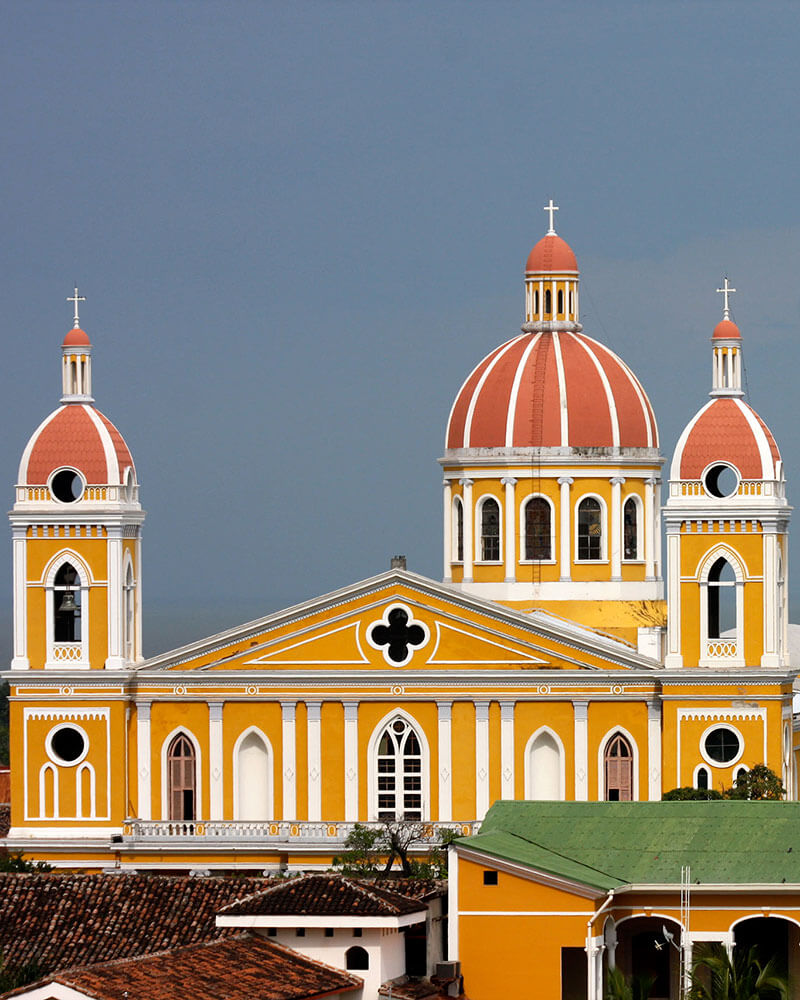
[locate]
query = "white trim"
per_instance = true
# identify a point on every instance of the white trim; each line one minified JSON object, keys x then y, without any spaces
{"x":452,"y":904}
{"x":640,"y":542}
{"x":289,"y":758}
{"x":314,"y":759}
{"x":444,"y":711}
{"x":482,"y":759}
{"x":457,"y":502}
{"x":85,"y":766}
{"x":512,"y":403}
{"x":47,"y":581}
{"x":716,"y":764}
{"x":601,"y":759}
{"x":603,"y":529}
{"x":677,"y":457}
{"x":237,"y":792}
{"x":501,"y":351}
{"x":310,"y":921}
{"x":580,"y":736}
{"x":384,"y":620}
{"x":767,"y":465}
{"x":112,"y":464}
{"x":507,"y":742}
{"x":350,"y":709}
{"x":48,"y":745}
{"x":610,"y":400}
{"x":696,"y":772}
{"x":562,"y":392}
{"x":562,"y":760}
{"x":144,"y":793}
{"x":198,"y":774}
{"x":372,"y":758}
{"x":22,"y":475}
{"x":216,"y":764}
{"x":523,"y":556}
{"x":478,"y":550}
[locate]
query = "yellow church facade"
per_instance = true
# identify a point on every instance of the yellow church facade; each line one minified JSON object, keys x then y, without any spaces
{"x":549,"y":663}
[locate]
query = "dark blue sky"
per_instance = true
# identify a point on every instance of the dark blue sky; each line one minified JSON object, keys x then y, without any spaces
{"x":299,"y":226}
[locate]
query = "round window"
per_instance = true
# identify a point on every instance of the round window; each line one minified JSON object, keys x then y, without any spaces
{"x":67,"y":486}
{"x":722,"y":745}
{"x":67,"y":745}
{"x":721,"y":480}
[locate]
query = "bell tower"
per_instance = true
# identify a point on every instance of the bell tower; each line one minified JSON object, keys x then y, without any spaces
{"x":727,"y":521}
{"x":76,"y":527}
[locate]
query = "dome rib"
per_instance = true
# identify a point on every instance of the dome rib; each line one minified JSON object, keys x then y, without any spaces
{"x":726,"y":429}
{"x":512,"y":404}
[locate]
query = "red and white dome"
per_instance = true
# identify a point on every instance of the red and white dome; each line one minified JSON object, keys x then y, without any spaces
{"x":79,"y":437}
{"x":552,"y":390}
{"x":728,"y":431}
{"x":552,"y":255}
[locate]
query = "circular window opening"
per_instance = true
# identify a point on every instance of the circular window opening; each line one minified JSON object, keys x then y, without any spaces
{"x":723,"y":745}
{"x":68,"y":745}
{"x":721,"y":481}
{"x":67,"y":486}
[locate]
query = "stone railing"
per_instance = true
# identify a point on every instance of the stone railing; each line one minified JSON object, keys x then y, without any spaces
{"x":720,"y":648}
{"x":277,"y":831}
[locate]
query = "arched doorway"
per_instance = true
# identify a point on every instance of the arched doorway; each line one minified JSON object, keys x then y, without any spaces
{"x":643,"y":951}
{"x":772,"y":937}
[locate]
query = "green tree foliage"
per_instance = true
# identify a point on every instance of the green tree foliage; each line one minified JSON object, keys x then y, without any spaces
{"x":758,"y":783}
{"x":373,"y":850}
{"x":15,"y":864}
{"x":716,"y":977}
{"x":619,"y":987}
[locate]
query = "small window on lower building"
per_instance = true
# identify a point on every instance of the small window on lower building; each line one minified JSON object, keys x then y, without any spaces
{"x":702,"y":777}
{"x":490,"y":878}
{"x":356,"y":958}
{"x":300,"y":932}
{"x":358,"y":931}
{"x":272,"y":932}
{"x":328,"y":932}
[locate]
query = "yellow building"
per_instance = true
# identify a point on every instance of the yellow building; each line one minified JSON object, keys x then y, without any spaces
{"x":546,"y":665}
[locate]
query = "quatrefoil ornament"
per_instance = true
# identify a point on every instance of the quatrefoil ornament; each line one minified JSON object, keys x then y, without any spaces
{"x":397,"y":635}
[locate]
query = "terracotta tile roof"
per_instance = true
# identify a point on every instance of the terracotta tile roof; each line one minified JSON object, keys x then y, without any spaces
{"x":413,"y":888}
{"x":324,"y":895}
{"x":5,"y":820}
{"x":60,"y":921}
{"x":237,"y":968}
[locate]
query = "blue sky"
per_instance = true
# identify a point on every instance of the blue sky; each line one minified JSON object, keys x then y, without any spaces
{"x":299,"y":226}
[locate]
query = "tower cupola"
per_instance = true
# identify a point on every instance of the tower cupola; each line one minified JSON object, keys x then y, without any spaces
{"x":76,"y":360}
{"x":551,"y":283}
{"x":727,"y":351}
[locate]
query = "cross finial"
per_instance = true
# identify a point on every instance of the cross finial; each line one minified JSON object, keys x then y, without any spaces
{"x":76,"y":299}
{"x":726,"y":291}
{"x":551,"y":208}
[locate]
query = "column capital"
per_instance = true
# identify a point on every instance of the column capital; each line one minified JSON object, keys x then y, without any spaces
{"x":508,"y":481}
{"x":350,"y":710}
{"x":288,"y":710}
{"x":507,"y":710}
{"x":445,"y":710}
{"x":481,"y":711}
{"x":143,"y":710}
{"x":581,"y":710}
{"x":313,"y":709}
{"x":654,"y":711}
{"x":466,"y":482}
{"x":447,"y":483}
{"x":565,"y":481}
{"x":215,"y":711}
{"x":653,"y":481}
{"x":617,"y":480}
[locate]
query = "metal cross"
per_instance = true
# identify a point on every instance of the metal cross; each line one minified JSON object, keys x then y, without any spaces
{"x":76,"y":299}
{"x":551,"y":208}
{"x":726,"y":291}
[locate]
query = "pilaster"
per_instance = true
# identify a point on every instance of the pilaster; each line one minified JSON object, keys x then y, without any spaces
{"x":289,"y":747}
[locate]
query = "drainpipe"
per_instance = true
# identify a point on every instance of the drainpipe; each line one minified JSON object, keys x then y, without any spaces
{"x":595,"y":984}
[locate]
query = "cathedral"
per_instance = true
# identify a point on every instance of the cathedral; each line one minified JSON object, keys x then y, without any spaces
{"x":565,"y":654}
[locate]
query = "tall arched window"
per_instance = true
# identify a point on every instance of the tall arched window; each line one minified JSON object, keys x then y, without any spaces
{"x":181,"y":778}
{"x":127,"y":603}
{"x":399,"y":773}
{"x":536,"y":302}
{"x":458,"y":529}
{"x":560,"y":301}
{"x":702,"y":778}
{"x":590,"y":529}
{"x":538,"y":529}
{"x":630,"y":525}
{"x":722,"y":600}
{"x":67,"y":605}
{"x":545,"y":769}
{"x":548,"y":301}
{"x":490,"y":530}
{"x":253,"y":787}
{"x":619,"y":769}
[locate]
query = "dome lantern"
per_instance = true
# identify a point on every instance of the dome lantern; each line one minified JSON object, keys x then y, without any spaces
{"x":726,"y":351}
{"x":76,"y":360}
{"x":551,"y":283}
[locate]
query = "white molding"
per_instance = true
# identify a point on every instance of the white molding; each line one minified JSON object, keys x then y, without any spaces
{"x":22,"y":474}
{"x":314,"y":757}
{"x":47,"y":581}
{"x":511,"y":413}
{"x":452,"y":904}
{"x":216,"y":764}
{"x":112,"y":463}
{"x":580,"y":710}
{"x":654,"y":751}
{"x":289,"y":758}
{"x":350,"y":760}
{"x":507,"y":743}
{"x":326,"y":920}
{"x":144,"y":793}
{"x":445,"y":754}
{"x":482,"y":759}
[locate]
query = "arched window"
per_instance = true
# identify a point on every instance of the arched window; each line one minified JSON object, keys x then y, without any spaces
{"x":619,"y":769}
{"x":127,"y":603}
{"x":399,"y":772}
{"x":537,"y":529}
{"x":536,"y":301}
{"x":702,"y":779}
{"x":590,"y":529}
{"x":560,"y":301}
{"x":458,"y":529}
{"x":356,"y":958}
{"x":67,"y":605}
{"x":490,"y":530}
{"x":181,"y":778}
{"x":548,"y":301}
{"x":545,"y":769}
{"x":722,"y":600}
{"x":630,"y":525}
{"x":253,"y":779}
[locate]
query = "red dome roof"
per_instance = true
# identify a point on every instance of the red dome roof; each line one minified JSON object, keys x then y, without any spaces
{"x":551,"y":253}
{"x":725,"y":330}
{"x":80,"y":437}
{"x":726,"y":430}
{"x":552,"y":390}
{"x":77,"y":338}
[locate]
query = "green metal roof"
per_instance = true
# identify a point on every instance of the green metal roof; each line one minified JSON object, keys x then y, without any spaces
{"x":608,"y":844}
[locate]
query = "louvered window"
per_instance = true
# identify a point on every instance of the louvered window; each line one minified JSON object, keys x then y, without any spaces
{"x":619,"y":769}
{"x":182,"y":779}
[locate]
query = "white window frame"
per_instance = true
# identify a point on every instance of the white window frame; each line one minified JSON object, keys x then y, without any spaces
{"x":522,"y":532}
{"x":479,"y":531}
{"x":639,"y":529}
{"x":601,"y":762}
{"x":696,"y":773}
{"x":741,"y":574}
{"x":198,"y":776}
{"x":458,"y":504}
{"x":48,"y":583}
{"x":372,"y":762}
{"x":603,"y":526}
{"x":721,"y":724}
{"x":529,"y":777}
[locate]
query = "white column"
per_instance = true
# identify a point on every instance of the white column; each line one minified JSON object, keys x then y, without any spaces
{"x":654,"y":751}
{"x":115,"y":659}
{"x":215,"y":763}
{"x":137,"y":597}
{"x":594,"y":950}
{"x":448,"y":530}
{"x":469,"y":540}
{"x":581,"y":740}
{"x":481,"y":759}
{"x":649,"y":529}
{"x":20,"y":660}
{"x":659,"y":569}
{"x":565,"y":528}
{"x":507,"y":749}
{"x":351,"y":762}
{"x":673,"y":657}
{"x":144,"y":806}
{"x":452,"y":905}
{"x":510,"y":522}
{"x":769,"y":656}
{"x":445,"y":710}
{"x":313,"y":712}
{"x":616,"y":527}
{"x":289,"y":750}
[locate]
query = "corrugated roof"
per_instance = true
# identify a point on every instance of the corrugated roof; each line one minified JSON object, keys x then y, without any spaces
{"x":607,"y":844}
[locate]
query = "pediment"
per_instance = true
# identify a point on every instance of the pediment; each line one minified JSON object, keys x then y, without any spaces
{"x":402,"y":622}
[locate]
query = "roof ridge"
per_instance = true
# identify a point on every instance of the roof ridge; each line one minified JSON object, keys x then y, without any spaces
{"x":560,"y":854}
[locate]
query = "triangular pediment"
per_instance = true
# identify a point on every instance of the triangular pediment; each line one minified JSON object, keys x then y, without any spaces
{"x":402,"y":622}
